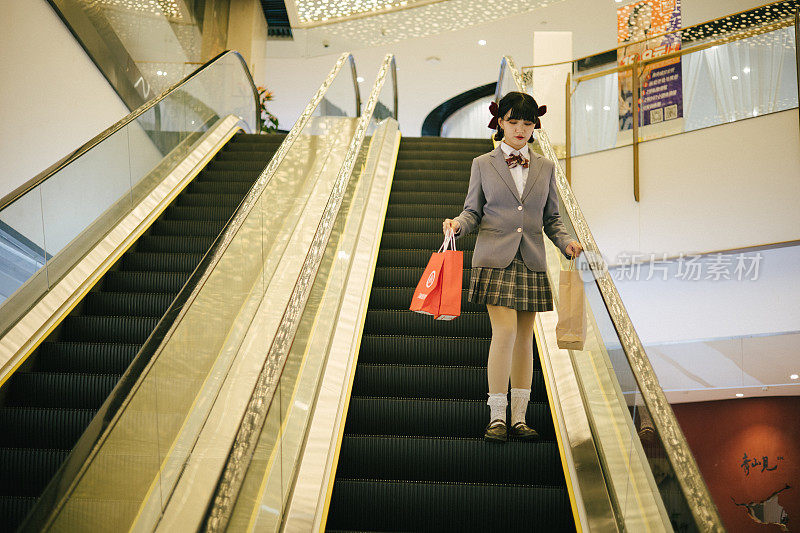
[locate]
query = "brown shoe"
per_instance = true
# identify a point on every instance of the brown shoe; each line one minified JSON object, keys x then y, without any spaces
{"x":496,"y":431}
{"x":521,"y":431}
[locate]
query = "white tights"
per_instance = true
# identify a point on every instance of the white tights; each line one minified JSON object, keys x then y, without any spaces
{"x":510,"y":356}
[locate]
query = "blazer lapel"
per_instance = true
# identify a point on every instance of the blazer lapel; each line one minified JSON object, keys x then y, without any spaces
{"x":534,"y":167}
{"x":500,"y":165}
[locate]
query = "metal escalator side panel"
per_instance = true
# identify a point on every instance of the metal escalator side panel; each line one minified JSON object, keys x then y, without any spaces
{"x":81,"y":284}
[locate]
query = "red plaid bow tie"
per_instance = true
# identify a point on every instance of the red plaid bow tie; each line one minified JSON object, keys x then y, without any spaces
{"x":516,"y":159}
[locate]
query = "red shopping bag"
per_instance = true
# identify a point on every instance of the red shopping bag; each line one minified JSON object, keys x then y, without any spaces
{"x":438,"y":292}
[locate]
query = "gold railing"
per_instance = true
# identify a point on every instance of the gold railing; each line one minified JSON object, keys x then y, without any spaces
{"x":784,"y":18}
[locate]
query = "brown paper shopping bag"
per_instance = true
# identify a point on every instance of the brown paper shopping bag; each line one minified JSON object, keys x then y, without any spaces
{"x":571,"y":326}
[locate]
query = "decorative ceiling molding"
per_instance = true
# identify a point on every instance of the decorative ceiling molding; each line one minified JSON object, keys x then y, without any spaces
{"x":168,"y":8}
{"x":314,"y":13}
{"x":421,"y":19}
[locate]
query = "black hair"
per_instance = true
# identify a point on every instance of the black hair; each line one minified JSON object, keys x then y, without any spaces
{"x":522,"y":107}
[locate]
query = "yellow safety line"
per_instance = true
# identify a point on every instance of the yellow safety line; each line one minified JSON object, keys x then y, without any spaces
{"x":357,"y":340}
{"x":559,"y":438}
{"x":102,"y":271}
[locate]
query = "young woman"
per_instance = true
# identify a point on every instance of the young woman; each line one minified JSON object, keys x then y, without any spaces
{"x":512,"y":195}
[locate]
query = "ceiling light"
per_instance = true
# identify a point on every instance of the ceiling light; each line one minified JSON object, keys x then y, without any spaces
{"x":606,"y":108}
{"x":794,"y":376}
{"x":360,"y":79}
{"x":739,"y":394}
{"x":588,"y":107}
{"x":482,"y":42}
{"x":734,"y":78}
{"x":746,"y":70}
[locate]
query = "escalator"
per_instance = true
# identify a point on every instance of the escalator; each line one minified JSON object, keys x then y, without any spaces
{"x":49,"y":401}
{"x":413,"y":455}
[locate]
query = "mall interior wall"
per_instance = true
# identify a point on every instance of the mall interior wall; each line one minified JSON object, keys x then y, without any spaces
{"x":295,"y":68}
{"x":54,"y":97}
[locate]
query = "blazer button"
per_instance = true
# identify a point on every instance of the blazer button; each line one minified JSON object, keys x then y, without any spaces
{"x":519,"y":230}
{"x":519,"y":208}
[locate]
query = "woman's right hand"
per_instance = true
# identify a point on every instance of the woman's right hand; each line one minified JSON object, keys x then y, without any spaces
{"x":450,"y":224}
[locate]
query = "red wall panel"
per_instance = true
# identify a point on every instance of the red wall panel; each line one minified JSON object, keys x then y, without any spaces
{"x":721,"y":432}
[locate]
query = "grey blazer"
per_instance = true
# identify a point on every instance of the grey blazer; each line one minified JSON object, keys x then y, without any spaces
{"x":508,"y":222}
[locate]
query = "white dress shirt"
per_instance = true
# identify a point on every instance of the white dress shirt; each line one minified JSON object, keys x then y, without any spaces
{"x":519,"y":173}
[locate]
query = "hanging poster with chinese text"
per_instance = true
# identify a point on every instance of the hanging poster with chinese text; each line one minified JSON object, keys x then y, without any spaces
{"x":646,"y":24}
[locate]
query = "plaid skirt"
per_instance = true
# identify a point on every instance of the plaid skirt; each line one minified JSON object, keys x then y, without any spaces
{"x":515,"y":286}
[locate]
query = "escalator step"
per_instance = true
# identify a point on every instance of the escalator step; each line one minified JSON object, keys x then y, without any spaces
{"x":431,"y":144}
{"x":248,"y":145}
{"x":127,"y":304}
{"x":451,"y":155}
{"x":443,"y":459}
{"x":424,"y":241}
{"x":262,"y":157}
{"x":186,"y":212}
{"x":455,"y":199}
{"x":433,"y":418}
{"x":85,"y":357}
{"x":428,"y":381}
{"x":415,"y":174}
{"x":174,"y":243}
{"x":436,"y":212}
{"x":411,"y":258}
{"x":239,"y":165}
{"x":25,"y":472}
{"x":165,"y":262}
{"x":123,"y":329}
{"x":42,"y":428}
{"x":408,"y":276}
{"x":145,"y":281}
{"x":206,"y":228}
{"x":224,"y":187}
{"x":189,"y":199}
{"x":69,"y":391}
{"x":14,"y":509}
{"x":421,"y":506}
{"x":385,"y":322}
{"x":400,"y":298}
{"x":411,"y":350}
{"x":431,"y":186}
{"x":435,"y":164}
{"x":413,"y":225}
{"x":210,"y":175}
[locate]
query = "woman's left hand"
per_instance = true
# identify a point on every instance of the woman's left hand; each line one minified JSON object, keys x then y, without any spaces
{"x":574,"y":249}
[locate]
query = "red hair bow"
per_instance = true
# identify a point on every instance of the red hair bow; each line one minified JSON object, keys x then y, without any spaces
{"x":493,"y":124}
{"x":495,"y":113}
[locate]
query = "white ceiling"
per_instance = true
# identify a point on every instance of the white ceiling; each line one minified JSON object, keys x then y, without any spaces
{"x":593,"y":23}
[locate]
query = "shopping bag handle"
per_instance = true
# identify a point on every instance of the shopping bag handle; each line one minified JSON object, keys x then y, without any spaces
{"x":449,"y":241}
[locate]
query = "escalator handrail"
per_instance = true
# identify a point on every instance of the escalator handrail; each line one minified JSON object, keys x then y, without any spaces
{"x":53,"y":169}
{"x":59,"y":490}
{"x":704,"y":511}
{"x":230,"y":481}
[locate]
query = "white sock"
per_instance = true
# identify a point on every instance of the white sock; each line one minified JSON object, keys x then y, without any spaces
{"x":497,"y":404}
{"x":519,"y":404}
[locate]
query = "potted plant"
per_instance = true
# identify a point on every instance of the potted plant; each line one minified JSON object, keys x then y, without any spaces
{"x":269,"y":122}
